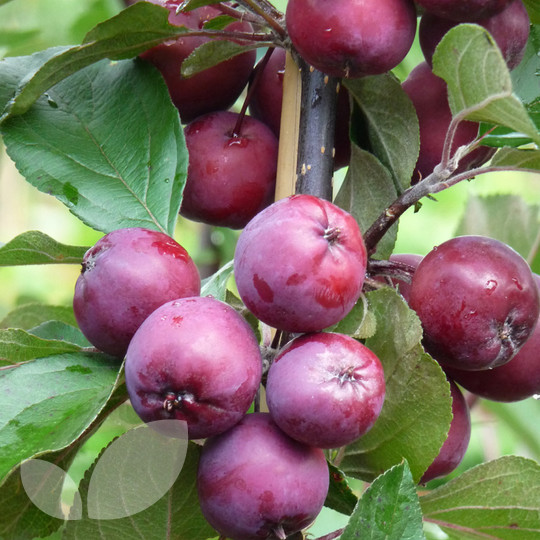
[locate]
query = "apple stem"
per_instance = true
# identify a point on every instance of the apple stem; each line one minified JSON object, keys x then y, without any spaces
{"x":315,"y":163}
{"x":237,"y":14}
{"x":392,"y":269}
{"x":251,"y":90}
{"x":331,"y":235}
{"x":271,"y":16}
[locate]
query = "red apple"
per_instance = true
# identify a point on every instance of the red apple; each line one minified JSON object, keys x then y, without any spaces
{"x":325,"y":389}
{"x":300,"y":264}
{"x":213,"y":89}
{"x":195,"y":360}
{"x":231,"y":177}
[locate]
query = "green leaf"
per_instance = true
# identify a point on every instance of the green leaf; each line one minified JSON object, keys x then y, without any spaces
{"x":132,"y":31}
{"x":534,"y":10}
{"x":526,"y":83}
{"x":35,"y":247}
{"x":526,"y":76}
{"x":388,"y":510}
{"x":417,"y":411}
{"x":16,"y":345}
{"x":216,"y":285}
{"x":359,"y":323}
{"x":20,"y":517}
{"x":211,"y":53}
{"x":60,"y":331}
{"x":367,"y":190}
{"x":499,"y":499}
{"x":189,"y":5}
{"x":519,"y":159}
{"x":29,"y":316}
{"x":48,"y":403}
{"x":219,"y":23}
{"x":176,"y":515}
{"x":391,"y":123}
{"x":340,"y":496}
{"x":13,"y":72}
{"x":107,"y":142}
{"x":507,"y":218}
{"x":479,"y":83}
{"x":500,"y":136}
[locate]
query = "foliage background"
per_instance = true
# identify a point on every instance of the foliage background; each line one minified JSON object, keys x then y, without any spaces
{"x":32,"y":25}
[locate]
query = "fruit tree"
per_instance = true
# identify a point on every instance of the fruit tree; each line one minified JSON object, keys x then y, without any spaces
{"x":247,"y":351}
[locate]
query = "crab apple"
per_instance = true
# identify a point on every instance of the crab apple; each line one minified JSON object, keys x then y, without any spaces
{"x":300,"y":264}
{"x":510,"y":29}
{"x":428,"y":94}
{"x":477,"y":301}
{"x":457,"y":441}
{"x":196,"y":360}
{"x":212,"y":89}
{"x":125,"y":276}
{"x":517,"y":380}
{"x":352,"y":38}
{"x":255,"y":482}
{"x":267,"y":98}
{"x":231,"y":176}
{"x":463,"y":10}
{"x":325,"y":389}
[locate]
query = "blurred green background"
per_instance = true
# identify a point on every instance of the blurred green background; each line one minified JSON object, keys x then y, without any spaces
{"x":31,"y":25}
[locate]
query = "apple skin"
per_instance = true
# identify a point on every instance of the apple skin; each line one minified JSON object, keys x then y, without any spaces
{"x":463,"y":10}
{"x":352,"y":38}
{"x":230,"y":178}
{"x":215,"y":88}
{"x":325,"y":389}
{"x":254,"y":478}
{"x":196,"y":360}
{"x":428,"y":94}
{"x":456,"y":443}
{"x":509,"y":28}
{"x":267,"y":98}
{"x":477,"y":301}
{"x":125,"y":276}
{"x":300,"y":264}
{"x":517,"y":380}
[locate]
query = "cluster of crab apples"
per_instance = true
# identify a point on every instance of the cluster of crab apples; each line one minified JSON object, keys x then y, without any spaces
{"x":300,"y":266}
{"x":233,"y":156}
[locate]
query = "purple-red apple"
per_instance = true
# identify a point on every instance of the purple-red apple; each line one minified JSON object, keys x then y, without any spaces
{"x":463,"y":10}
{"x":254,"y":481}
{"x":196,"y":360}
{"x":300,"y":264}
{"x":477,"y":301}
{"x":325,"y":389}
{"x":212,"y":89}
{"x":231,"y":176}
{"x":352,"y":38}
{"x":124,"y":277}
{"x":517,"y":380}
{"x":509,"y":28}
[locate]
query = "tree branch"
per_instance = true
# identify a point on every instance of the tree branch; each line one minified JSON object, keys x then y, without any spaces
{"x":315,"y":165}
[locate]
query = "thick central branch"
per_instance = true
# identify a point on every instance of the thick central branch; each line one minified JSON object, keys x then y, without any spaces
{"x":315,"y":165}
